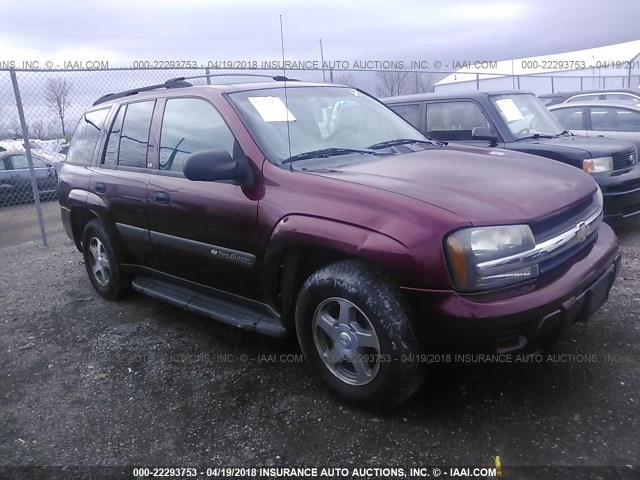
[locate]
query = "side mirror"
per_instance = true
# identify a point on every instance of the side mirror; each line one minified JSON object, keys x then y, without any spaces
{"x":484,"y":133}
{"x":213,"y":165}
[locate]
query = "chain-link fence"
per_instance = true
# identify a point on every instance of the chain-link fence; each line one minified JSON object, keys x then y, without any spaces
{"x":52,"y":101}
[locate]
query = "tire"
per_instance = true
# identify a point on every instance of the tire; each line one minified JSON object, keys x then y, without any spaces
{"x":102,"y":262}
{"x":344,"y":354}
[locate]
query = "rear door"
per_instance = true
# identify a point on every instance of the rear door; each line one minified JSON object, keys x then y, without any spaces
{"x":122,"y":176}
{"x":615,"y":122}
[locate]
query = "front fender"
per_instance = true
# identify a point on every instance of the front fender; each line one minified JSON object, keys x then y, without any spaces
{"x":351,"y":240}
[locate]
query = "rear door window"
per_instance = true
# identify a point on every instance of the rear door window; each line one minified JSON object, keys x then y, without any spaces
{"x":112,"y":147}
{"x":134,"y":138}
{"x":615,"y":119}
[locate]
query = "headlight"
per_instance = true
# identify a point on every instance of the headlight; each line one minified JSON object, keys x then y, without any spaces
{"x":469,"y":248}
{"x":598,"y":164}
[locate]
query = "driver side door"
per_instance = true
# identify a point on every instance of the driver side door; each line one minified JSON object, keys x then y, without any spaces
{"x":201,"y":231}
{"x":454,"y":122}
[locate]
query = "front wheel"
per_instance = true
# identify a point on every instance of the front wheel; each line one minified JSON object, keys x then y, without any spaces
{"x":356,"y":335}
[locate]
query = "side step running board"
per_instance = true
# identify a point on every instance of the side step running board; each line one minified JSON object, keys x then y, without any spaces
{"x":217,"y":308}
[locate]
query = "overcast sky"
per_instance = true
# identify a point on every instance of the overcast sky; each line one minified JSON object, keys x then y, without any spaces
{"x":122,"y":31}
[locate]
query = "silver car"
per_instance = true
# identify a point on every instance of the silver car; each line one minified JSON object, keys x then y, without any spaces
{"x":609,"y":119}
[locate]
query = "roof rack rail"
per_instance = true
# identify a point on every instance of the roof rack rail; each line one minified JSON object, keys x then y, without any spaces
{"x":277,"y":78}
{"x":180,"y":82}
{"x":172,"y":83}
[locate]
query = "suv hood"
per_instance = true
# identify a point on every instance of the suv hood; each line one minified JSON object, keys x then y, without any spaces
{"x":591,"y":147}
{"x":483,"y":186}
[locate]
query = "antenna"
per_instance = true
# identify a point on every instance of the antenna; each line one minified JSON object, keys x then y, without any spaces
{"x":286,"y":99}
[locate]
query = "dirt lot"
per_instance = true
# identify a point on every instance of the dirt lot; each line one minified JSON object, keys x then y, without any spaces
{"x":84,"y":381}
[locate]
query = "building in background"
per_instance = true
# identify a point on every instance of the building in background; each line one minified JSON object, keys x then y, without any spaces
{"x":613,"y":66}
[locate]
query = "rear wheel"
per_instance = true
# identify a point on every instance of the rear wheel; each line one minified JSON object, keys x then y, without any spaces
{"x":356,"y":335}
{"x":102,"y":262}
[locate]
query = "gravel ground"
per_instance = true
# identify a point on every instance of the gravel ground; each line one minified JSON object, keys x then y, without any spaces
{"x":85,"y":381}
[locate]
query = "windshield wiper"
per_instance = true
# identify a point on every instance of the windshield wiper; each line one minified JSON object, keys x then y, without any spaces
{"x":327,"y":152}
{"x":403,"y":141}
{"x":536,"y":135}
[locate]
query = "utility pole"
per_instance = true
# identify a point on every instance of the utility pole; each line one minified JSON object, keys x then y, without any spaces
{"x":324,"y":78}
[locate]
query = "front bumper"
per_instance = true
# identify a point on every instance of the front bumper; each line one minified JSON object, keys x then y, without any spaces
{"x":524,"y":318}
{"x":621,"y":193}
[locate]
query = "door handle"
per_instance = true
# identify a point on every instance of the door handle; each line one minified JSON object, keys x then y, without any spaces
{"x":100,"y":187}
{"x":161,"y":197}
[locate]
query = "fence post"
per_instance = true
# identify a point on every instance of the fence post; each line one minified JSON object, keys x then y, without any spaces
{"x":553,"y":88}
{"x":27,"y":147}
{"x":208,"y":77}
{"x":477,"y":81}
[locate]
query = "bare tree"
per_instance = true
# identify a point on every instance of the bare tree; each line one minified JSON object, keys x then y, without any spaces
{"x":37,"y":130}
{"x":392,"y":83}
{"x":419,"y":82}
{"x":343,"y":78}
{"x":57,"y":97}
{"x":15,"y":128}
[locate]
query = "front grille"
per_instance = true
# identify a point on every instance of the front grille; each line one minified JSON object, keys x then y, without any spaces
{"x":558,"y":260}
{"x":562,"y":221}
{"x":623,"y":187}
{"x":623,"y":160}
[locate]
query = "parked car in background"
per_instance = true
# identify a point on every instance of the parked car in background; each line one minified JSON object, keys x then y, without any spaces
{"x":314,"y":210}
{"x":517,"y":120}
{"x":16,"y":145}
{"x":15,"y":179}
{"x":618,"y":94}
{"x":601,"y":118}
{"x":54,"y":158}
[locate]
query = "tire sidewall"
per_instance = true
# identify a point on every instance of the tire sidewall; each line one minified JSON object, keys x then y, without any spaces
{"x":396,"y":378}
{"x":113,"y":288}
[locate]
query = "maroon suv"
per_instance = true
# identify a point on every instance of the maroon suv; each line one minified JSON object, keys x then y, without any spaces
{"x":309,"y":208}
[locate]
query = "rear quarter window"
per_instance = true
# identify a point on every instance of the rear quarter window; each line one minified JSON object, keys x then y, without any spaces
{"x":85,"y":137}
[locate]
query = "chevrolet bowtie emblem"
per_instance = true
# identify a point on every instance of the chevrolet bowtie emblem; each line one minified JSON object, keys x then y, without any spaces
{"x":583,"y":232}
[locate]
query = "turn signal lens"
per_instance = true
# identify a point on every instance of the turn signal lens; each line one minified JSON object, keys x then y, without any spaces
{"x":458,"y":260}
{"x":596,"y":165}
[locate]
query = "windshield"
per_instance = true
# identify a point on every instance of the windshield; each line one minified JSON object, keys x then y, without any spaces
{"x":316,"y":118}
{"x":526,"y":116}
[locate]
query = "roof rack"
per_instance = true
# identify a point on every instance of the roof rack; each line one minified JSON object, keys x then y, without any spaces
{"x":180,"y":82}
{"x":173,"y":83}
{"x":277,"y":78}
